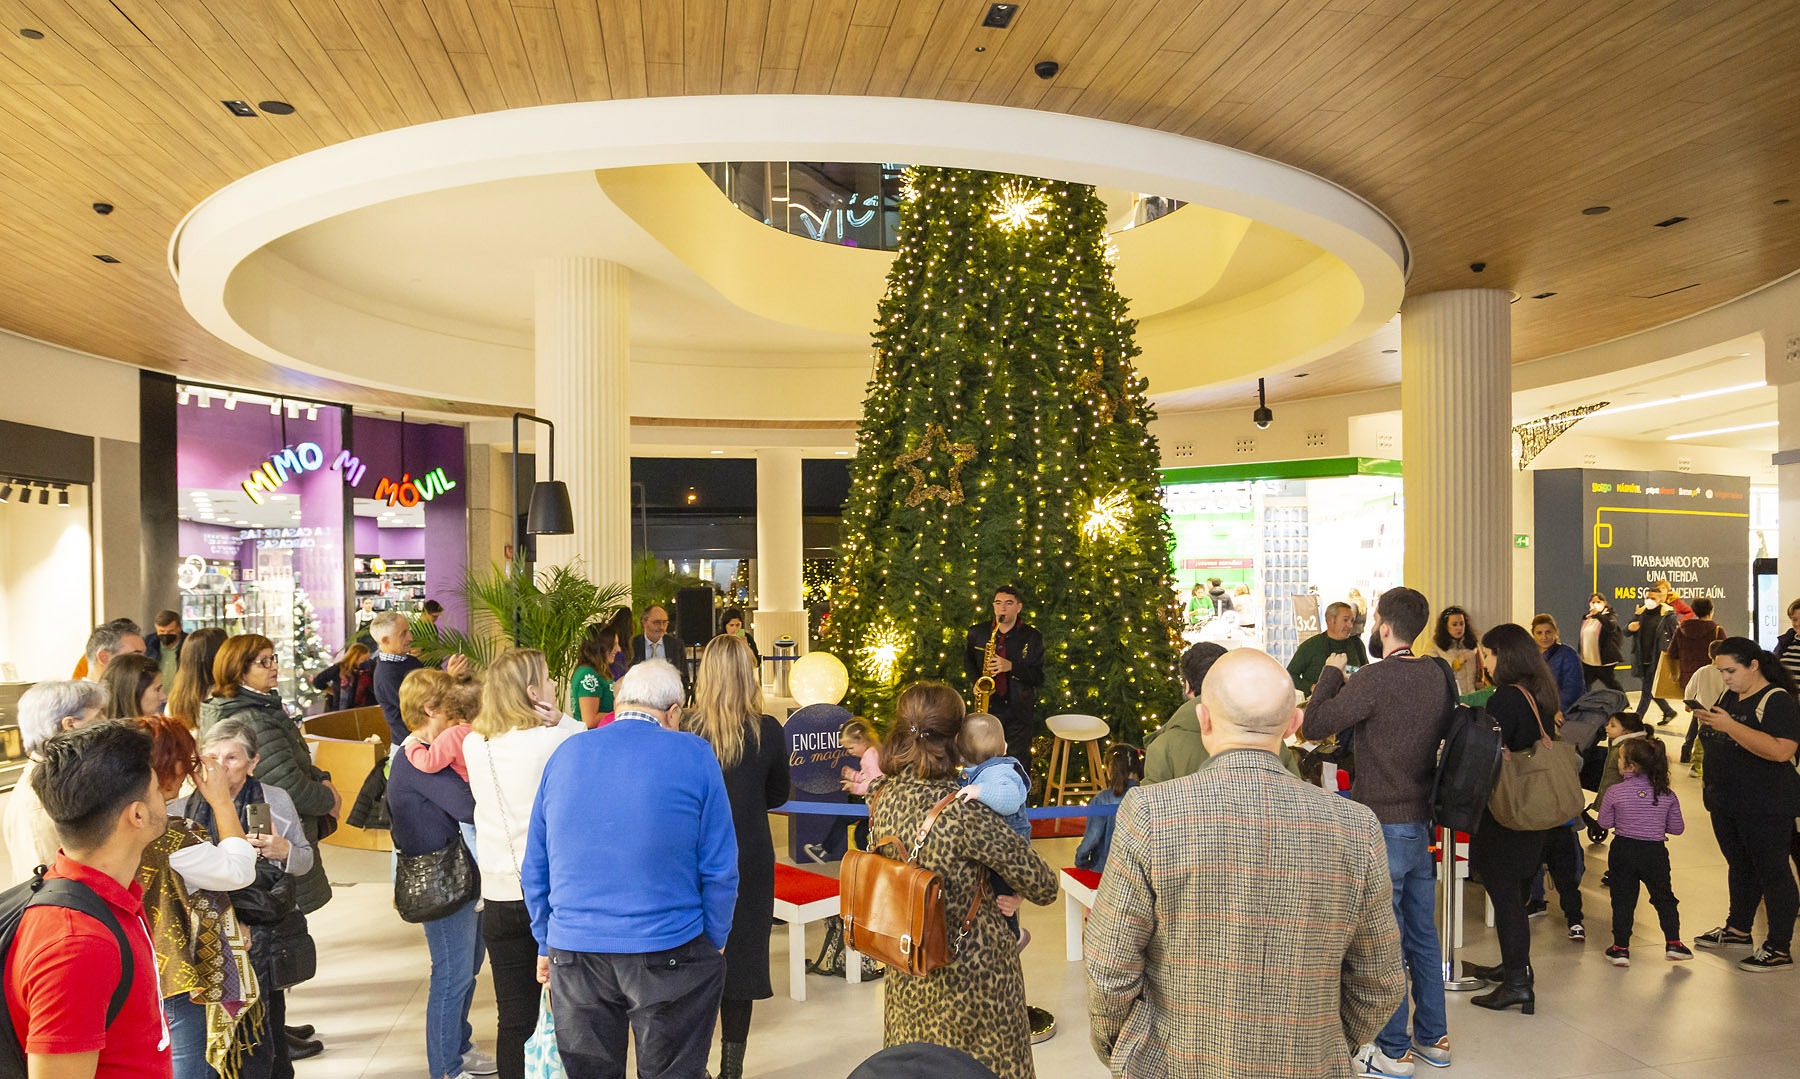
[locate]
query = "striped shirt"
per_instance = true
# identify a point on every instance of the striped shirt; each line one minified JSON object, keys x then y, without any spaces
{"x":1633,"y":809}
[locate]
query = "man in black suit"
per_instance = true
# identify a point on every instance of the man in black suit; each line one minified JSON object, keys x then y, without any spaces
{"x":656,"y":642}
{"x":1017,"y":669}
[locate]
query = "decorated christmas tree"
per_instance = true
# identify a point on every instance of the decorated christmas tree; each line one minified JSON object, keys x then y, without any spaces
{"x":310,"y":655}
{"x":1005,"y":440}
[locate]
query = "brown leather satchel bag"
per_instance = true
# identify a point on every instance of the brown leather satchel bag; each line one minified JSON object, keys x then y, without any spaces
{"x":893,"y":910}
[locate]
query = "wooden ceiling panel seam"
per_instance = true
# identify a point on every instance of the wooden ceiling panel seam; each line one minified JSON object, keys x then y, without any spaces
{"x":979,"y":51}
{"x":475,"y":73}
{"x":1434,"y":47}
{"x":1153,"y":74}
{"x":1193,"y":32}
{"x":703,"y":46}
{"x":776,"y":80}
{"x":874,"y":13}
{"x":943,"y":41}
{"x":1309,"y":36}
{"x":584,"y":49}
{"x":211,"y":38}
{"x":901,"y":47}
{"x":541,"y":37}
{"x":294,"y":37}
{"x":418,"y":36}
{"x":1352,"y":55}
{"x":663,"y":21}
{"x":826,"y":31}
{"x":1204,"y":80}
{"x":260,"y":41}
{"x":455,"y":25}
{"x":505,"y":51}
{"x":326,"y":22}
{"x":856,"y":64}
{"x":1088,"y":65}
{"x":364,"y":79}
{"x":665,"y":80}
{"x":746,"y":27}
{"x":622,"y":30}
{"x":1124,"y":67}
{"x":785,"y":38}
{"x":1021,"y":47}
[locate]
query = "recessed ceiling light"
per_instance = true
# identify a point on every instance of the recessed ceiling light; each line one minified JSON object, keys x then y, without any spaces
{"x":35,"y":35}
{"x":243,"y":522}
{"x":718,"y":453}
{"x":1723,"y":430}
{"x":1679,"y":398}
{"x":841,"y":453}
{"x":1667,"y":222}
{"x":279,"y":498}
{"x":239,"y":108}
{"x":1389,"y":351}
{"x":277,"y":108}
{"x":108,"y":259}
{"x":999,"y":16}
{"x":1596,"y":211}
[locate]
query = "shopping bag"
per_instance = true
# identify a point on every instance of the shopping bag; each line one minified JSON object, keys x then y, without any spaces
{"x":1667,"y":683}
{"x":542,"y":1059}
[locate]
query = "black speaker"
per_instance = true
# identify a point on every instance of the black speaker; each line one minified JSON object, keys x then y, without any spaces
{"x":694,"y":615}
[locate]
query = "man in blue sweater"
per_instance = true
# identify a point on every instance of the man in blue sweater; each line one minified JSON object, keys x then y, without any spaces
{"x":630,"y":877}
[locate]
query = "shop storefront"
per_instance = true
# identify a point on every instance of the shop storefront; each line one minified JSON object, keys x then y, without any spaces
{"x":292,"y":513}
{"x":1261,"y":550}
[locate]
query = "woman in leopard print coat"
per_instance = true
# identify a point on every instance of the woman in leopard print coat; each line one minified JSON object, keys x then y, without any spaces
{"x":976,"y":1002}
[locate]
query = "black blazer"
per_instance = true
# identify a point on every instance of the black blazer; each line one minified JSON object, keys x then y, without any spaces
{"x":673,"y":647}
{"x":1024,"y":646}
{"x":1651,"y":638}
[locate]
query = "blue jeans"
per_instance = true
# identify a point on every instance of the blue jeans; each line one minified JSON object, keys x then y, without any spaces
{"x":187,"y":1036}
{"x":455,"y":945}
{"x":1414,"y":876}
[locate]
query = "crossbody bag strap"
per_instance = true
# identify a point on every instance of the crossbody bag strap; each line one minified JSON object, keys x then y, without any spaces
{"x":931,"y":819}
{"x":968,"y":922}
{"x":1531,"y":699}
{"x":505,"y":822}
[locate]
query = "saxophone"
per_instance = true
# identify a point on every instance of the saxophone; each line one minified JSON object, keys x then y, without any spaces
{"x":984,"y":686}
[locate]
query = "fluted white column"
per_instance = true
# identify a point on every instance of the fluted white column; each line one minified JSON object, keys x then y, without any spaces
{"x":779,"y":543}
{"x":583,"y":338}
{"x":1456,"y":423}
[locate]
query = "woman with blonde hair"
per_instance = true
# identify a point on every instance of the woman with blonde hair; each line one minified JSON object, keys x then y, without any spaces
{"x":728,"y":713}
{"x":517,"y":729}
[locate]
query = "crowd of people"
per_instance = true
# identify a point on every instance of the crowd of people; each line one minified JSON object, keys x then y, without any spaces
{"x":173,"y":788}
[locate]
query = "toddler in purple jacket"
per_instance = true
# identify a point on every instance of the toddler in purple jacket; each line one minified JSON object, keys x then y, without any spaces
{"x":1643,"y":813}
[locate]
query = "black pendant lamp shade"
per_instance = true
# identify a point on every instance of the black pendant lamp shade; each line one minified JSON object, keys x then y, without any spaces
{"x":550,"y":514}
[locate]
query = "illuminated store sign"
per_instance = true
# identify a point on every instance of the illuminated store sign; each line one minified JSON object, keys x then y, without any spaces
{"x":410,"y":492}
{"x":306,"y":457}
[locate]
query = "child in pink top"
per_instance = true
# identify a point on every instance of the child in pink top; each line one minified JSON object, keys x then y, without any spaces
{"x":445,"y":750}
{"x":443,"y":705}
{"x":859,"y":738}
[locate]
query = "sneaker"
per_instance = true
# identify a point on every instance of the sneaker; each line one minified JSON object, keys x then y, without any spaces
{"x":1370,"y":1061}
{"x":1677,"y":951}
{"x":1437,"y":1054}
{"x":476,"y":1062}
{"x":1723,"y":937}
{"x":1578,"y":933}
{"x":1765,"y":959}
{"x":1618,"y":957}
{"x":1537,"y":908}
{"x":815,"y":851}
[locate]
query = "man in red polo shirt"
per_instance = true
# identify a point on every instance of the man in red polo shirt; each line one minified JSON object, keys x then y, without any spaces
{"x":97,"y":785}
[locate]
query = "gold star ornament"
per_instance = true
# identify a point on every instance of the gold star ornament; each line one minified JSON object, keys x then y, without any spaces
{"x":960,"y":453}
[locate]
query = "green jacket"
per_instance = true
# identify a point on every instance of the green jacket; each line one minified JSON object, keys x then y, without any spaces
{"x":1309,"y":659}
{"x":282,"y":761}
{"x":1178,"y":751}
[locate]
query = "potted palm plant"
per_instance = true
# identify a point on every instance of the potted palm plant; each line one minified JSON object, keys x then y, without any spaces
{"x":510,"y":607}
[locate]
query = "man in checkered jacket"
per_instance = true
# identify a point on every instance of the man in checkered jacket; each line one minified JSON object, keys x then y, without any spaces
{"x":1245,"y":923}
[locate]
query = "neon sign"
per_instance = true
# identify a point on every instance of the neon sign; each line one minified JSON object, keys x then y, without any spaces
{"x":306,"y":457}
{"x":409,"y":492}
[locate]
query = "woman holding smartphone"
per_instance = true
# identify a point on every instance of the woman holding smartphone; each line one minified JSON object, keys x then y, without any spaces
{"x":1753,"y":794}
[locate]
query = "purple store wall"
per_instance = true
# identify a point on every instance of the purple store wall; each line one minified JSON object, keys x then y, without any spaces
{"x":444,"y":541}
{"x":218,"y":447}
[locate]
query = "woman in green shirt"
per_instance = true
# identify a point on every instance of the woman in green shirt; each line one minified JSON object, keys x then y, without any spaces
{"x":590,"y":690}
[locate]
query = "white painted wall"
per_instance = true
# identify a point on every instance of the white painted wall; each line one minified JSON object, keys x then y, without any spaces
{"x":52,"y":387}
{"x":45,"y":587}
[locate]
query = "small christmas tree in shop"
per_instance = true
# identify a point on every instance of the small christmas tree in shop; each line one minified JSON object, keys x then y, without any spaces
{"x":1005,"y":440}
{"x":310,"y":654}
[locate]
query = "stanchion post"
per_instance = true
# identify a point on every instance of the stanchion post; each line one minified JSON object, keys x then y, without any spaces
{"x":1451,"y":906}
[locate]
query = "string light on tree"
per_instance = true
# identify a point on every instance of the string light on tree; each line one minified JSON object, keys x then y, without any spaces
{"x":881,"y":652}
{"x":1107,"y":517}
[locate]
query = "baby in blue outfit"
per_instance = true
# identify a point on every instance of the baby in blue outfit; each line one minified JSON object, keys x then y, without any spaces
{"x":996,"y":781}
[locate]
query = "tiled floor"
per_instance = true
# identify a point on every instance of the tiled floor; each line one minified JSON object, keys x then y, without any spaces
{"x":1698,"y":1020}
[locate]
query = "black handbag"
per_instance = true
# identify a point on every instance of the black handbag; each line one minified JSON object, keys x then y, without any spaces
{"x":436,"y":885}
{"x":267,"y":901}
{"x":293,"y":957}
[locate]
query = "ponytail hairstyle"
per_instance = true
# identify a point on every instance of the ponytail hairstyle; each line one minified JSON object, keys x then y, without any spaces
{"x":928,"y":715}
{"x":1631,"y":723}
{"x":1125,"y":764}
{"x":1745,"y":651}
{"x":860,"y":729}
{"x":1649,"y":759}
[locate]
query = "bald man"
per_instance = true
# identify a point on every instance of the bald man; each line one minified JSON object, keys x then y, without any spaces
{"x":1195,"y":965}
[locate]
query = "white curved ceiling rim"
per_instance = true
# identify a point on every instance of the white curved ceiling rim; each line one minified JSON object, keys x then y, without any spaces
{"x":229,"y":227}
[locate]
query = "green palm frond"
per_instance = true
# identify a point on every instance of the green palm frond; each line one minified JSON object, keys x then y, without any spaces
{"x":510,"y":607}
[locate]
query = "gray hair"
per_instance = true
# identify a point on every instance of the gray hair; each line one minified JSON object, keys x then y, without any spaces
{"x":654,"y":685}
{"x":383,"y":624}
{"x":230,"y":730}
{"x":43,"y":707}
{"x":107,"y":637}
{"x":1332,"y":609}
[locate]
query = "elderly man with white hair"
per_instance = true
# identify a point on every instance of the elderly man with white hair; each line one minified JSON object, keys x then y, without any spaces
{"x":1244,"y":925}
{"x":44,"y":709}
{"x":630,"y":876}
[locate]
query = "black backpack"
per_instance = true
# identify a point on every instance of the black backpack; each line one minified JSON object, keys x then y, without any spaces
{"x":1468,"y":767}
{"x":71,"y":895}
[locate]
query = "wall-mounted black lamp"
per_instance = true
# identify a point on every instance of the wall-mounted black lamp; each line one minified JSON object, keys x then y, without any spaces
{"x":550,"y":514}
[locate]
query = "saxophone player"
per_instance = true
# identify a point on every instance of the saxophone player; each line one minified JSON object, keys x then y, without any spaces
{"x":1016,"y":666}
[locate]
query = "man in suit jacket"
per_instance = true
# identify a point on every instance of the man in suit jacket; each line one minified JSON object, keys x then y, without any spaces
{"x":1245,"y":922}
{"x":656,"y":642}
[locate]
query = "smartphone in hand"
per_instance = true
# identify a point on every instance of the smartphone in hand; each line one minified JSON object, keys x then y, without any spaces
{"x":256,"y":818}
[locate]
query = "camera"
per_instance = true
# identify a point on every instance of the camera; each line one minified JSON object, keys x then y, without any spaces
{"x":1262,"y":417}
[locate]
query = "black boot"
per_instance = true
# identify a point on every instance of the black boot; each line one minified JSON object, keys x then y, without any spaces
{"x":1495,"y":973}
{"x":1514,"y":989}
{"x":731,"y":1060}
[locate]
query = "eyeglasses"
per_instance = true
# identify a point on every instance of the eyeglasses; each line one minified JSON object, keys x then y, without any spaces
{"x":268,"y":662}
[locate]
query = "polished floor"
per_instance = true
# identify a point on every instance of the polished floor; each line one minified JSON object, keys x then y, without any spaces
{"x":1698,"y":1020}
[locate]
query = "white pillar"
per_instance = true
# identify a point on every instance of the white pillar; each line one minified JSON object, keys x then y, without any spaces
{"x":1456,"y":445}
{"x":1787,"y":477}
{"x":779,"y":523}
{"x":583,"y":336}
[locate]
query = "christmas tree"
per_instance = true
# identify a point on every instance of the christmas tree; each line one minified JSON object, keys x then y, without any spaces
{"x":1005,"y":440}
{"x":310,"y":656}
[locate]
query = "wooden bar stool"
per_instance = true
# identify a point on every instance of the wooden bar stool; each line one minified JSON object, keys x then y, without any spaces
{"x":1068,"y":730}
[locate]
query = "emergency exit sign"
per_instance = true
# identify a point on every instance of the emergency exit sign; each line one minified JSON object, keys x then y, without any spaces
{"x":1520,"y":539}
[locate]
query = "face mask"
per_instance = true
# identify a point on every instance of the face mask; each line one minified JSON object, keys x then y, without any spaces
{"x":167,"y":638}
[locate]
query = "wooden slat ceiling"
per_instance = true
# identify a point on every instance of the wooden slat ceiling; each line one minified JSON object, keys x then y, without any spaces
{"x":1483,"y":127}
